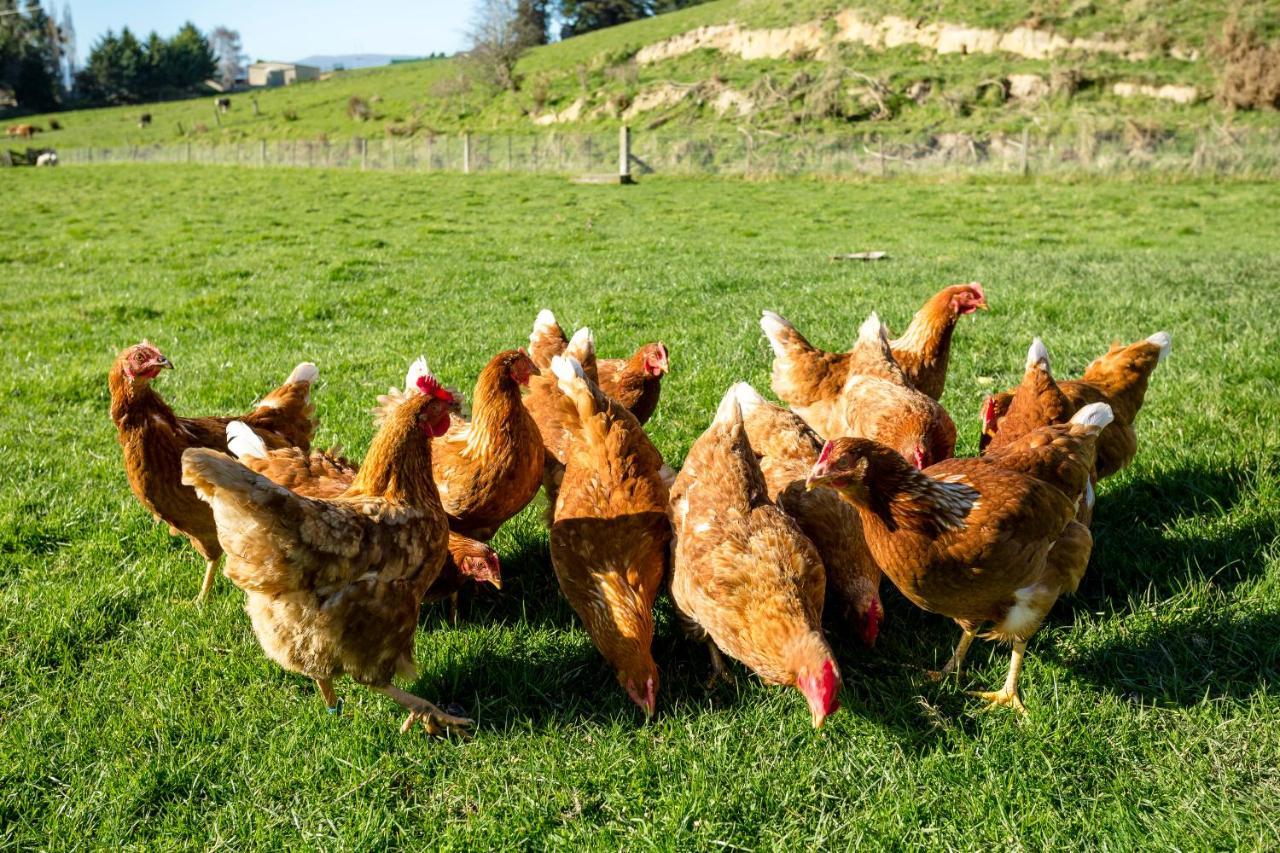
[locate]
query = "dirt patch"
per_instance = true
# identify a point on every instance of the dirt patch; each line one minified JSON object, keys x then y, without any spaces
{"x":815,"y":38}
{"x":573,"y":112}
{"x":1168,"y":92}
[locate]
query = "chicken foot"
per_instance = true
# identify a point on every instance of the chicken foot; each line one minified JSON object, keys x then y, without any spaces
{"x":432,"y":718}
{"x":1008,"y":695}
{"x":957,"y":657}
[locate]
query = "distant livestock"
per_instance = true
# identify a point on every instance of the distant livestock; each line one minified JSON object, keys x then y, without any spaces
{"x":144,"y":120}
{"x":48,"y":158}
{"x":26,"y":131}
{"x":223,"y":104}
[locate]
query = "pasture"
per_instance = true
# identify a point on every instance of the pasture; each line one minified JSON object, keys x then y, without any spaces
{"x":130,"y":715}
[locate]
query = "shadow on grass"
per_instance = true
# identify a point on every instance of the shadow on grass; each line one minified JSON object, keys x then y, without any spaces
{"x":1200,"y":656}
{"x":1138,"y":530}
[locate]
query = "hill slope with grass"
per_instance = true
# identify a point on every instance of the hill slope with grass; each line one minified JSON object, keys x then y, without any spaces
{"x":894,"y":66}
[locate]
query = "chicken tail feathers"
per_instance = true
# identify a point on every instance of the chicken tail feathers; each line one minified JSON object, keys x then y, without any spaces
{"x":243,"y":442}
{"x":783,"y":337}
{"x":748,"y":398}
{"x":546,"y":340}
{"x":1038,"y":355}
{"x":1094,"y":415}
{"x":1164,"y":340}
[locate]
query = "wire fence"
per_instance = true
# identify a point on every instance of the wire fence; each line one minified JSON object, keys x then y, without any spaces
{"x":1215,"y":151}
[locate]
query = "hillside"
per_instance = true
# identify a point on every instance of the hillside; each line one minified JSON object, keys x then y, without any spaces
{"x":896,"y":66}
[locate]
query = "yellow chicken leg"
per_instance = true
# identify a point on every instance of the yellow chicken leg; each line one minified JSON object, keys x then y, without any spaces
{"x":957,"y":658}
{"x":432,"y":718}
{"x":1008,"y":695}
{"x":210,"y":572}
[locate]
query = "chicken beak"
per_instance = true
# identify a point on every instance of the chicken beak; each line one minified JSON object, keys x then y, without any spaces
{"x":164,"y":362}
{"x":497,"y":583}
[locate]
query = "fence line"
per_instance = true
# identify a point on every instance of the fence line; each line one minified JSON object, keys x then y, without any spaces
{"x":1218,"y":151}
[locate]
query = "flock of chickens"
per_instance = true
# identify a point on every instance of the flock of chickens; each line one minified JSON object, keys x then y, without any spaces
{"x":776,"y":518}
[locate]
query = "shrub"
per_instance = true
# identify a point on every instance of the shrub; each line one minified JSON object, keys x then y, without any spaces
{"x":358,"y":109}
{"x":1248,"y":69}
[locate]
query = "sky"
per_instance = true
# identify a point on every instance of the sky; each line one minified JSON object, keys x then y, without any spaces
{"x":287,"y":30}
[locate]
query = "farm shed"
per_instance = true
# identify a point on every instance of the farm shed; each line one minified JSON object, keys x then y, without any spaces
{"x":281,"y":73}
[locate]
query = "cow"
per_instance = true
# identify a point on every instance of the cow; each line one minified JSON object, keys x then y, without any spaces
{"x":144,"y":120}
{"x":47,"y":158}
{"x":223,"y":104}
{"x":26,"y":131}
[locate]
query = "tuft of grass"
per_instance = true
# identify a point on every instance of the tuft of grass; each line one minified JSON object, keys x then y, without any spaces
{"x":127,"y":715}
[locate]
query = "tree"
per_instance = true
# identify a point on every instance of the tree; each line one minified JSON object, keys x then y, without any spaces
{"x":583,"y":16}
{"x":30,"y":55}
{"x":226,"y":45}
{"x":190,"y":59}
{"x":114,"y":72}
{"x":532,"y":19}
{"x":495,"y":43}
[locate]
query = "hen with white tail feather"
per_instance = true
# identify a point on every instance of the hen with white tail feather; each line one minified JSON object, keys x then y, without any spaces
{"x":745,"y":578}
{"x":609,"y":529}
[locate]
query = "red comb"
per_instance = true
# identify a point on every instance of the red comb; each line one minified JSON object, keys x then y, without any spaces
{"x":989,"y":413}
{"x":431,"y":386}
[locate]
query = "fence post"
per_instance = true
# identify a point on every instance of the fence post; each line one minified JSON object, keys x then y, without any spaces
{"x":391,"y":142}
{"x":883,"y":165}
{"x":262,"y":152}
{"x":217,"y":116}
{"x":466,"y":153}
{"x":1026,"y":146}
{"x":508,"y":152}
{"x":624,"y":154}
{"x":256,"y":111}
{"x":431,"y":152}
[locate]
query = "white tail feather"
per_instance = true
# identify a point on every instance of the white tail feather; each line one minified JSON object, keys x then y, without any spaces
{"x":1164,"y":340}
{"x":416,"y":371}
{"x":871,"y":329}
{"x":244,"y":442}
{"x":1089,"y":495}
{"x":774,"y":326}
{"x":567,"y":370}
{"x":583,"y":342}
{"x":544,"y":320}
{"x":749,"y":398}
{"x":1037,"y":354}
{"x":729,"y":411}
{"x":1094,"y":414}
{"x":305,"y":372}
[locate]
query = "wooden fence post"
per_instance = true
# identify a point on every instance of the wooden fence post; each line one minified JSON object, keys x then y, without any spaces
{"x":262,"y":152}
{"x":256,"y":111}
{"x":884,"y":167}
{"x":364,"y":154}
{"x":217,"y":116}
{"x":508,"y":152}
{"x":466,"y":153}
{"x":1026,"y":145}
{"x":431,"y":152}
{"x":391,"y":143}
{"x":624,"y":154}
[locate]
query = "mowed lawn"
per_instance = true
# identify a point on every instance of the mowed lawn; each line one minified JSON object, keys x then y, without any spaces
{"x":128,"y":714}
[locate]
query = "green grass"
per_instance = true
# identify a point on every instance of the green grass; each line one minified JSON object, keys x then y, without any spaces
{"x":129,"y":715}
{"x":423,"y":96}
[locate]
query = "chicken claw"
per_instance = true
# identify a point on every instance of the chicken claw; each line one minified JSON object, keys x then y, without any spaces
{"x":720,"y":673}
{"x":435,"y":721}
{"x":210,"y":572}
{"x":1008,"y":695}
{"x":956,"y":663}
{"x":1001,"y":697}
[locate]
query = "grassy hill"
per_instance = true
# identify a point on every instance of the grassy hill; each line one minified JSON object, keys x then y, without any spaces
{"x":819,"y":78}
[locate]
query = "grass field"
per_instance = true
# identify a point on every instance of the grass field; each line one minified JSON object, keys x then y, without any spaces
{"x":127,"y":714}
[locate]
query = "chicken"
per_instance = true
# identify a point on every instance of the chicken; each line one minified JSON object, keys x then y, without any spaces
{"x":924,"y":349}
{"x":976,"y":539}
{"x":1037,"y":402}
{"x":1118,"y":379}
{"x":153,"y":439}
{"x":744,"y":578}
{"x":545,"y":403}
{"x":489,"y":468}
{"x":862,"y":392}
{"x":324,"y":474}
{"x":787,"y":449}
{"x":610,"y":531}
{"x":635,"y":382}
{"x":334,"y":585}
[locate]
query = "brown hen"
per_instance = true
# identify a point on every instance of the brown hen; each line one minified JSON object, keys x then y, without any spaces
{"x":787,"y":449}
{"x":334,"y":585}
{"x":610,"y":531}
{"x":744,"y":578}
{"x":153,"y":439}
{"x":972,"y":539}
{"x":1118,"y":379}
{"x":862,"y":392}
